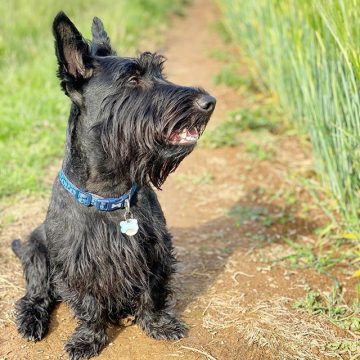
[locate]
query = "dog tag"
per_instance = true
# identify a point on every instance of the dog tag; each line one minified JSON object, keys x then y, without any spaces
{"x":129,"y":227}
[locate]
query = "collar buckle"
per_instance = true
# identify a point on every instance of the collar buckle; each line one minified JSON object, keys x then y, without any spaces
{"x":83,"y":198}
{"x":102,"y":205}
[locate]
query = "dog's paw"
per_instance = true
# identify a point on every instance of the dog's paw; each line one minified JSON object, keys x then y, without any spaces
{"x":81,"y":350}
{"x":164,"y":327}
{"x":85,"y":343}
{"x":31,"y":319}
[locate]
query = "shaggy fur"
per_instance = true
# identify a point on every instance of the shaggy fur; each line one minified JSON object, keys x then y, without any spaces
{"x":123,"y":114}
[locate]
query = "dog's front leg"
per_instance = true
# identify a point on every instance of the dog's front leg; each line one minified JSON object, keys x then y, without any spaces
{"x":90,"y":335}
{"x":154,"y":315}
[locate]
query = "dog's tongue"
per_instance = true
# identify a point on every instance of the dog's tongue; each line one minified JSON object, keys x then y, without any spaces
{"x":186,"y":136}
{"x":193,"y":132}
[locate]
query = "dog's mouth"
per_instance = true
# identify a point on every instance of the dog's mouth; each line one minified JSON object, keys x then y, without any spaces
{"x":186,"y":136}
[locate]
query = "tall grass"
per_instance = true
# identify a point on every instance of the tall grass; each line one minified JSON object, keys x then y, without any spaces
{"x":308,"y":52}
{"x":33,"y":111}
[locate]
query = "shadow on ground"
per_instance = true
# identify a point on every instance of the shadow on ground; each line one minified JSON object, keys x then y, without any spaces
{"x":203,"y":251}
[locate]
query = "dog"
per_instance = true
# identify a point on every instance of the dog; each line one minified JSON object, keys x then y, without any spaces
{"x":104,"y":247}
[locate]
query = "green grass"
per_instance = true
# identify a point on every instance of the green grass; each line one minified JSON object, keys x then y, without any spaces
{"x":318,"y":257}
{"x":33,"y":110}
{"x":257,"y":214}
{"x":258,"y":152}
{"x":257,"y":118}
{"x":229,"y":76}
{"x":220,"y":55}
{"x":331,"y":306}
{"x":308,"y":53}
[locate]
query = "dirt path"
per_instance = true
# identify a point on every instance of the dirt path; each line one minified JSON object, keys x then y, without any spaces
{"x":236,"y":304}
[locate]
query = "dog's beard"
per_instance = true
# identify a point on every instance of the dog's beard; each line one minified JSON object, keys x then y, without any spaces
{"x":166,"y":161}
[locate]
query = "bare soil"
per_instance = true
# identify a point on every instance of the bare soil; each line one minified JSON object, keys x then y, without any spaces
{"x":237,"y":304}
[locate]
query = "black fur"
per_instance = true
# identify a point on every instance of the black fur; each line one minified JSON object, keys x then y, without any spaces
{"x":122,"y":117}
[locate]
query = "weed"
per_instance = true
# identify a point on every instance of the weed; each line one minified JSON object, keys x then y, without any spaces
{"x":259,"y":117}
{"x":223,"y":32}
{"x":220,"y":55}
{"x":258,"y":152}
{"x":229,"y":76}
{"x":226,"y":250}
{"x":332,"y":306}
{"x":227,"y":133}
{"x":345,"y":346}
{"x":319,"y":257}
{"x":246,"y":214}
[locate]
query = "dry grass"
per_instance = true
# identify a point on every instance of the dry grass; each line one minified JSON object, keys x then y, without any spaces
{"x":274,"y":326}
{"x":8,"y":291}
{"x":202,"y":352}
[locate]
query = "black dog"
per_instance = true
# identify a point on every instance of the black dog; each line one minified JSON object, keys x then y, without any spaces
{"x":104,"y":247}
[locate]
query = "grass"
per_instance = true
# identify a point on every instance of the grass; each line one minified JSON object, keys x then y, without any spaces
{"x":33,"y":111}
{"x":331,"y":306}
{"x":277,"y":329}
{"x":258,"y":152}
{"x":308,"y":54}
{"x":230,"y":76}
{"x":246,"y":214}
{"x":220,"y":55}
{"x":256,"y":118}
{"x":321,"y":256}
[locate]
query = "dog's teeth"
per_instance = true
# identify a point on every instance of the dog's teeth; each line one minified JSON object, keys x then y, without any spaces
{"x":183,"y":134}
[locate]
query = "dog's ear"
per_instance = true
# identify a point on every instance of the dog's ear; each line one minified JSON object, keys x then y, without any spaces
{"x":72,"y":51}
{"x":100,"y":45}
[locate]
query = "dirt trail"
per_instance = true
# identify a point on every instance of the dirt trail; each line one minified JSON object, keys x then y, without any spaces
{"x":234,"y":304}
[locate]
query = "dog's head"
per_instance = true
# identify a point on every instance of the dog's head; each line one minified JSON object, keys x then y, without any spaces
{"x":132,"y":121}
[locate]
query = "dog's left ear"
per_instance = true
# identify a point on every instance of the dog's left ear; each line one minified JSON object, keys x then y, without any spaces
{"x":100,"y":45}
{"x":72,"y":51}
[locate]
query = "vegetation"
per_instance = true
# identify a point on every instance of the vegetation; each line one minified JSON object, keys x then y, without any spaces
{"x":33,"y":112}
{"x":307,"y":52}
{"x":331,"y":306}
{"x":261,"y":117}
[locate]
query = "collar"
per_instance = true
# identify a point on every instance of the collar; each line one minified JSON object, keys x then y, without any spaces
{"x":89,"y":199}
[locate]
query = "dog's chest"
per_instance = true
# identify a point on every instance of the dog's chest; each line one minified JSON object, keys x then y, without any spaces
{"x":104,"y":261}
{"x":89,"y":253}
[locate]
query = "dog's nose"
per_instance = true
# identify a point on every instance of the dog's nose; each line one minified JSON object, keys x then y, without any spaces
{"x":206,"y":103}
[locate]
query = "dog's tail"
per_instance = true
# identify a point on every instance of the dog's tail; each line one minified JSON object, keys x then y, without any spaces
{"x":16,"y":247}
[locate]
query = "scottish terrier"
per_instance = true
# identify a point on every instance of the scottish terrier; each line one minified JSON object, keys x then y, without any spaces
{"x":104,"y":247}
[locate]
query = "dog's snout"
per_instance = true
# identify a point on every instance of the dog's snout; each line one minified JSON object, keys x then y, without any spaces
{"x":206,"y":103}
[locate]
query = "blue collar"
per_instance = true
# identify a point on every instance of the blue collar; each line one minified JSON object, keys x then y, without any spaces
{"x":89,"y":199}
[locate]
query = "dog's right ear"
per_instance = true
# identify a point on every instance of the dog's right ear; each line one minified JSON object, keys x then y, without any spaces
{"x":72,"y":51}
{"x":100,"y":45}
